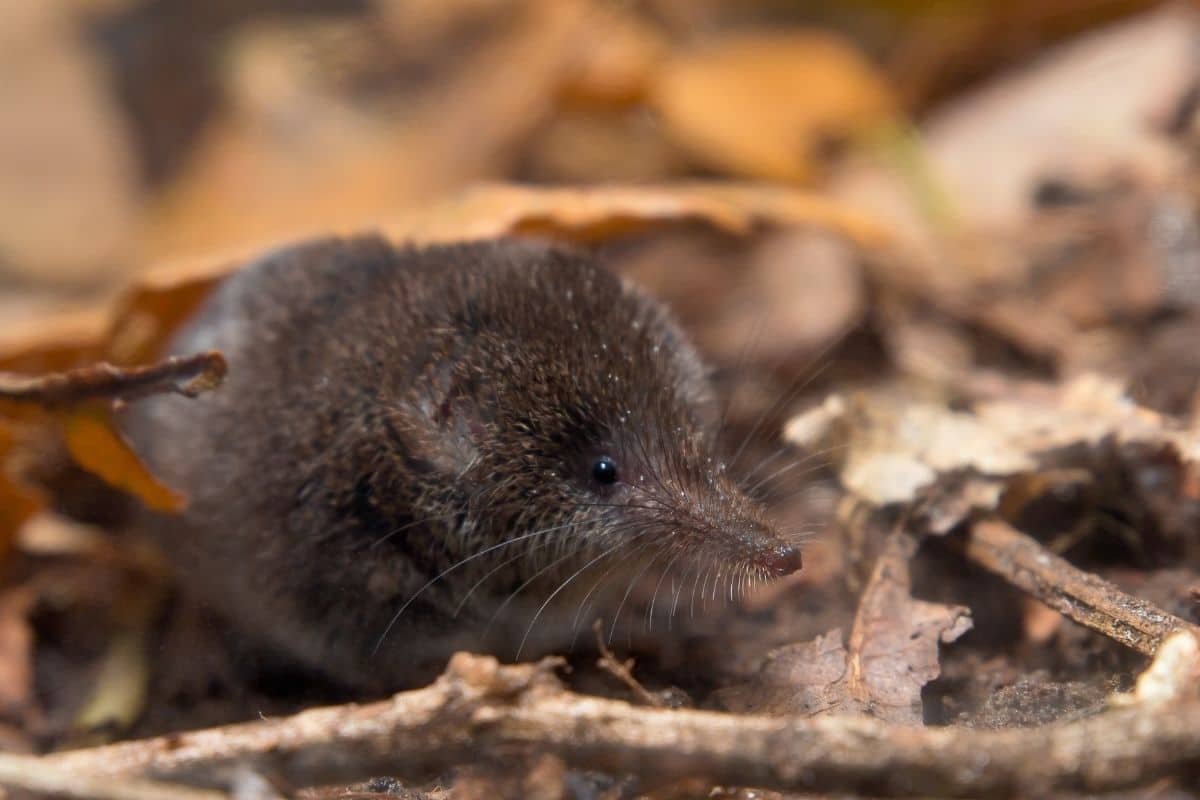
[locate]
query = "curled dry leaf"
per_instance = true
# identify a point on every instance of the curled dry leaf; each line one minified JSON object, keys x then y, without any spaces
{"x":153,"y":306}
{"x":894,"y":449}
{"x":95,"y":445}
{"x":891,"y":654}
{"x":602,"y":213}
{"x":894,"y":642}
{"x":771,"y":105}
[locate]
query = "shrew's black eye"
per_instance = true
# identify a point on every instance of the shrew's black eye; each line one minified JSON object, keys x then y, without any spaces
{"x":604,"y":471}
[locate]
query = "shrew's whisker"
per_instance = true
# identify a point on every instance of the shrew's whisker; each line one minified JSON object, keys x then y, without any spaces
{"x":554,"y":594}
{"x":455,"y":566}
{"x":512,"y":595}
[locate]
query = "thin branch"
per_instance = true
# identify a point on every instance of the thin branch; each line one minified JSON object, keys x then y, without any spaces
{"x":35,"y":775}
{"x":186,"y":375}
{"x":622,"y":670}
{"x":479,"y":706}
{"x":1079,"y":595}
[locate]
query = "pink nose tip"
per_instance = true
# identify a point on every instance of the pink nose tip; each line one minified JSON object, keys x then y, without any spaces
{"x":782,"y":560}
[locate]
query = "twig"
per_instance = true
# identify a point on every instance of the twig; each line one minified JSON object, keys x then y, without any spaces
{"x":186,"y":375}
{"x":480,"y":706}
{"x":36,"y":775}
{"x":1085,"y":598}
{"x":622,"y":670}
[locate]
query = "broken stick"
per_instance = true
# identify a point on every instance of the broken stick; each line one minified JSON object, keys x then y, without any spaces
{"x":479,"y":706}
{"x":186,"y":375}
{"x":1074,"y":593}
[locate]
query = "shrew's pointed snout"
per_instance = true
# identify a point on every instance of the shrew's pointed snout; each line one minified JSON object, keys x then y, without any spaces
{"x":781,"y":560}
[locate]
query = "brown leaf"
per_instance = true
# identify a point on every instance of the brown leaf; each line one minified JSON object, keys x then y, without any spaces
{"x":151,"y":309}
{"x":17,"y":502}
{"x":894,"y":642}
{"x":94,"y":444}
{"x":601,"y":213}
{"x":17,"y":700}
{"x":1085,"y":110}
{"x":770,"y":105}
{"x":805,"y":678}
{"x":891,"y":654}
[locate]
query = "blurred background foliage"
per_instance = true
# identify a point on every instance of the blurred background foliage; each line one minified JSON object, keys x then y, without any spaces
{"x":138,"y":131}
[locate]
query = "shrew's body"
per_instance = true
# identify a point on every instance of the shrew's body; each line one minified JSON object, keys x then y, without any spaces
{"x":422,"y":449}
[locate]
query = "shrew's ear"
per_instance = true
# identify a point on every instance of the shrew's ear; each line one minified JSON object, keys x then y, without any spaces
{"x":455,"y":411}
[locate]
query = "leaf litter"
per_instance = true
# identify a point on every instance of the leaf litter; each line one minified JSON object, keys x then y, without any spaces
{"x":962,"y":353}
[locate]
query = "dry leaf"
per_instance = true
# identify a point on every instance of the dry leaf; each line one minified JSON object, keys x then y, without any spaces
{"x":895,"y":448}
{"x":118,"y":695}
{"x":17,"y":502}
{"x":17,"y":699}
{"x":1091,"y":111}
{"x":95,"y":445}
{"x":891,"y":654}
{"x":1087,"y":110}
{"x":771,"y":105}
{"x":57,"y":342}
{"x":806,"y":678}
{"x":161,"y":299}
{"x":894,"y":643}
{"x":600,"y":213}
